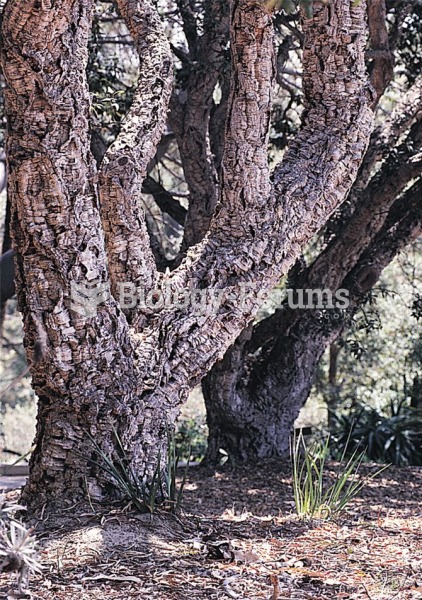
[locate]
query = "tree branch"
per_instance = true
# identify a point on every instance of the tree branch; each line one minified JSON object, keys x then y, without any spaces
{"x":403,"y":165}
{"x":189,"y":119}
{"x":257,"y":232}
{"x":407,"y":111}
{"x":187,"y":12}
{"x":125,"y":163}
{"x":165,"y":201}
{"x":381,"y":70}
{"x":377,"y":212}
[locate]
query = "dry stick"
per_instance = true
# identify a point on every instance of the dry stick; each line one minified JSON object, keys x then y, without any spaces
{"x":16,"y":380}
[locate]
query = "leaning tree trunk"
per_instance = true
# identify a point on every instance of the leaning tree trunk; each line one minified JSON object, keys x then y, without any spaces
{"x":103,"y":370}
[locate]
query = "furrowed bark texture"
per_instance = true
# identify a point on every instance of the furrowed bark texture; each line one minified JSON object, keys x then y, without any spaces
{"x":82,"y":369}
{"x":125,"y":163}
{"x":94,"y":370}
{"x":259,"y":229}
{"x":252,"y":401}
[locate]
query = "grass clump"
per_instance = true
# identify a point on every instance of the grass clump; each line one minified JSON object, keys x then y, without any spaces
{"x":313,"y":497}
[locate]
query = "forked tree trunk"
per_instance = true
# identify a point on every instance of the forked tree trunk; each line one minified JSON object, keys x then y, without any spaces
{"x":106,"y":369}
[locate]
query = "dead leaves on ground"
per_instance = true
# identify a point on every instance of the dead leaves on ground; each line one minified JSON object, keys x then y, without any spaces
{"x":246,"y":546}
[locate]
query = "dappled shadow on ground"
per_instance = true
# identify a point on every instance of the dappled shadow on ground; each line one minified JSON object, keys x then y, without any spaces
{"x":266,"y":489}
{"x":239,"y":538}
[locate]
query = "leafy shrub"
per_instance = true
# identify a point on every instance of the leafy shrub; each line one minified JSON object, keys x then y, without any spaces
{"x":191,"y":438}
{"x":395,"y":438}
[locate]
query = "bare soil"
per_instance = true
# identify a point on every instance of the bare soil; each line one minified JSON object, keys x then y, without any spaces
{"x":238,"y":537}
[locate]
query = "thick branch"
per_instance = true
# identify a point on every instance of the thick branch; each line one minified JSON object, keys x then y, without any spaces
{"x":372,"y":215}
{"x":403,"y":165}
{"x":125,"y":163}
{"x":383,"y":60}
{"x":402,"y":226}
{"x":407,"y":111}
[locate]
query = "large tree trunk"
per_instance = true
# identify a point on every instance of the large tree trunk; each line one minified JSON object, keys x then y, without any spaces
{"x":104,"y":369}
{"x":82,"y":370}
{"x":250,"y":416}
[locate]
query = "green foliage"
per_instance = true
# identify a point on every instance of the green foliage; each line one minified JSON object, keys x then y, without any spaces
{"x":380,"y":347}
{"x":111,"y":71}
{"x":161,"y":490}
{"x":291,"y":6}
{"x":417,"y":307}
{"x":191,"y":438}
{"x":395,"y":438}
{"x":409,"y":45}
{"x":314,"y":499}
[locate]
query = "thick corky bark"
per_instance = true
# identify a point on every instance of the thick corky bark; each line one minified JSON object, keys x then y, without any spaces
{"x":125,"y":163}
{"x":258,"y":229}
{"x":91,"y":372}
{"x":383,"y":63}
{"x":82,"y":370}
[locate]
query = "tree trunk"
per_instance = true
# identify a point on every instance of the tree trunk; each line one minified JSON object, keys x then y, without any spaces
{"x":82,"y":371}
{"x":251,"y":415}
{"x":95,"y":368}
{"x":254,"y":395}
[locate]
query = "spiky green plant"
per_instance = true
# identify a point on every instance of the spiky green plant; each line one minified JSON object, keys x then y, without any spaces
{"x":313,"y":499}
{"x":147,"y":495}
{"x":174,"y":492}
{"x":395,"y":437}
